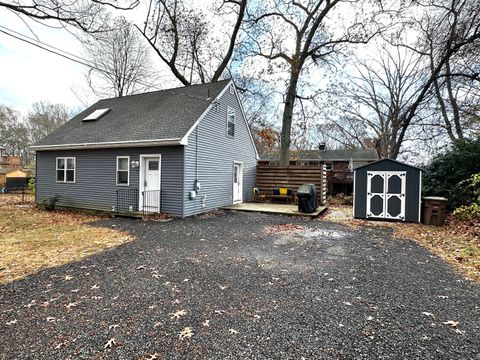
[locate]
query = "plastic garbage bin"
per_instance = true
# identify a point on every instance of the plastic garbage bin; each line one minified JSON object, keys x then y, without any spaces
{"x":307,"y":198}
{"x":434,"y":210}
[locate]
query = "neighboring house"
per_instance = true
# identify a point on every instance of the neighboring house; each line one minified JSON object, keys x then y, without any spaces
{"x":181,"y":151}
{"x":338,"y":163}
{"x":10,"y":162}
{"x":13,"y":178}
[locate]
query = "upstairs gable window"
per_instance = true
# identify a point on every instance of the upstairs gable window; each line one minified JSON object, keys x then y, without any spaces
{"x":231,"y":121}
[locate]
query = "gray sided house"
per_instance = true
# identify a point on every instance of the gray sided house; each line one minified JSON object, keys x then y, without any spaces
{"x":180,"y":151}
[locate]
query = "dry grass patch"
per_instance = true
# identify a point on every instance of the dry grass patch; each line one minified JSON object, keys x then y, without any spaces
{"x":457,"y":242}
{"x":32,"y":239}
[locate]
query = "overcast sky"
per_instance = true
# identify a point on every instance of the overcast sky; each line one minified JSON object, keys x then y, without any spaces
{"x":30,"y":74}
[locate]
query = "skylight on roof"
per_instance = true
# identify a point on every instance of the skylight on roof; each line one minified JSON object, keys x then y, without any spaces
{"x":97,"y":114}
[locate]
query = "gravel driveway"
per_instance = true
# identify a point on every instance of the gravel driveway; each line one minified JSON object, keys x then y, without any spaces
{"x":232,"y":285}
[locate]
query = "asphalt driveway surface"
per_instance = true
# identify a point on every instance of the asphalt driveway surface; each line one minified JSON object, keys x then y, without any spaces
{"x":233,"y":286}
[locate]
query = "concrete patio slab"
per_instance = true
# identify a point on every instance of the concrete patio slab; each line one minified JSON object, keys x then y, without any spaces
{"x":283,"y":209}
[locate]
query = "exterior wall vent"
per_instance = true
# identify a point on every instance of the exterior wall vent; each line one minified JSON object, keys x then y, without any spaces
{"x":97,"y":114}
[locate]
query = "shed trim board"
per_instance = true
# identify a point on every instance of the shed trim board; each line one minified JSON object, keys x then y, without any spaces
{"x":141,"y":183}
{"x":420,"y":198}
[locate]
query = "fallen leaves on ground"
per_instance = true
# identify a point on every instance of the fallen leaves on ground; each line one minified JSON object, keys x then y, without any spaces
{"x":110,"y":343}
{"x":177,"y":314}
{"x":282,"y":229}
{"x":456,"y":242}
{"x":185,"y":333}
{"x":33,"y":239}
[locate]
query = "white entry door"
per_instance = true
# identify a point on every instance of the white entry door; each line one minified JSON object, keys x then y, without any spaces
{"x":386,"y":194}
{"x":237,"y":182}
{"x":150,"y":186}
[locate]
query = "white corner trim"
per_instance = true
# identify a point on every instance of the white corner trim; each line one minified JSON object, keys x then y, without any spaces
{"x":184,"y":140}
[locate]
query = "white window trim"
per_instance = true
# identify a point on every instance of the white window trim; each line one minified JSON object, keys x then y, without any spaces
{"x":229,"y":110}
{"x":65,"y":159}
{"x":231,"y":89}
{"x":128,"y":171}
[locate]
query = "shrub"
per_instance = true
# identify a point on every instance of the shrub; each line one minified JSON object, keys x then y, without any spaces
{"x":466,"y":213}
{"x":31,"y":186}
{"x":471,"y":185}
{"x":446,"y":173}
{"x":49,"y":203}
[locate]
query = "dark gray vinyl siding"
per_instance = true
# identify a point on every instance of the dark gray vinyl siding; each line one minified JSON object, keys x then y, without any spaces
{"x":95,"y":186}
{"x":216,"y":155}
{"x":412,"y":190}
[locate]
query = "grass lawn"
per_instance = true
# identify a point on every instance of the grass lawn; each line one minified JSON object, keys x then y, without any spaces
{"x":32,"y":239}
{"x":456,"y":242}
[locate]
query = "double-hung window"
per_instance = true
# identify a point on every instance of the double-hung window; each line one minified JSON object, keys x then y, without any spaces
{"x":123,"y":170}
{"x":66,"y":169}
{"x":230,"y":121}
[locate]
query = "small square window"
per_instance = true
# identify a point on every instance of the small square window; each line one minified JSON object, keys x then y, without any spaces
{"x":231,"y":89}
{"x":328,"y":166}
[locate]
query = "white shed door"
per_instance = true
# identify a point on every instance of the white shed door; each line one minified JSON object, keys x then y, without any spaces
{"x":386,"y":194}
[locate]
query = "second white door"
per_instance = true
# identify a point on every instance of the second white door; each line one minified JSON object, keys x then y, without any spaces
{"x":237,"y":182}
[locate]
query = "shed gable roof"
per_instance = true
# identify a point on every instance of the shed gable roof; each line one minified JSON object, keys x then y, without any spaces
{"x":165,"y":115}
{"x":388,"y":160}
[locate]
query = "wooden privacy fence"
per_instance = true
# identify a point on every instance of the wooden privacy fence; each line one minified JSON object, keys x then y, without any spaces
{"x":292,"y":177}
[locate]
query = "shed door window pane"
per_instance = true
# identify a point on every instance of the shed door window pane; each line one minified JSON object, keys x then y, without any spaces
{"x":231,"y":122}
{"x":123,"y":164}
{"x":71,"y":164}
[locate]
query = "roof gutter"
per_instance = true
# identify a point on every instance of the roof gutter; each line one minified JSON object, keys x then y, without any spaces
{"x":108,"y":145}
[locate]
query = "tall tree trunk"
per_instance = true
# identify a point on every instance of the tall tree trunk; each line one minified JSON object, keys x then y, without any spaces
{"x":287,"y":118}
{"x":453,"y":101}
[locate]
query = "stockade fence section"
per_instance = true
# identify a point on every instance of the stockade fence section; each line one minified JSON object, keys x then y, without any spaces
{"x":292,"y":177}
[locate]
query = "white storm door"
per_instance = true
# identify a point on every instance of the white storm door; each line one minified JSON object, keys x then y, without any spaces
{"x":395,"y":195}
{"x":237,"y":182}
{"x":375,"y":194}
{"x":151,"y":184}
{"x":386,"y":194}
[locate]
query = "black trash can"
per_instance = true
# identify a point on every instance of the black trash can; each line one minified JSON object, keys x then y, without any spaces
{"x":307,"y":198}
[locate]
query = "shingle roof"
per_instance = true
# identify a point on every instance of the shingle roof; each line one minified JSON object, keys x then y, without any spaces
{"x":158,"y":115}
{"x":329,"y":155}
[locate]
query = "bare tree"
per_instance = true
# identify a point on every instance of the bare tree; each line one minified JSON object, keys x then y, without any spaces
{"x":297,"y":34}
{"x":183,"y":38}
{"x":88,"y":15}
{"x":43,"y":118}
{"x":372,"y":103}
{"x":13,"y":132}
{"x":456,"y":27}
{"x":120,"y":61}
{"x":457,"y":86}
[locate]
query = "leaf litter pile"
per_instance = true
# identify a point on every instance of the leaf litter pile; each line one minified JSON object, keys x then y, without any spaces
{"x":457,"y":242}
{"x":282,"y":229}
{"x":33,"y":239}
